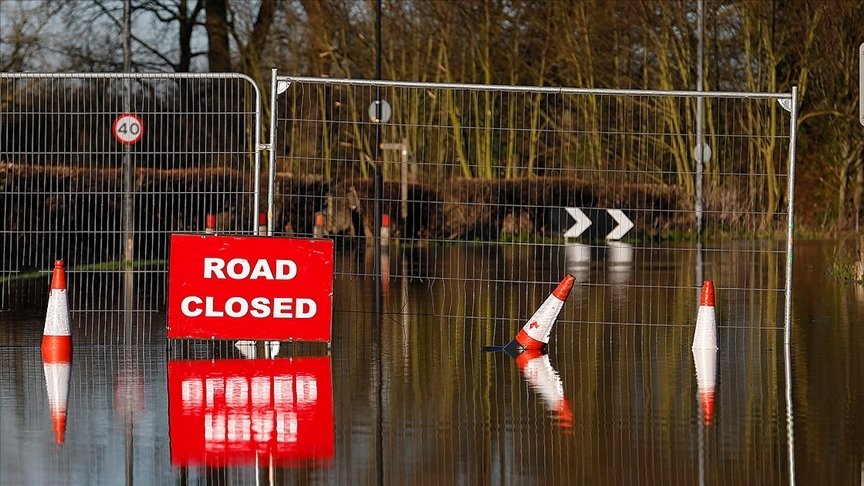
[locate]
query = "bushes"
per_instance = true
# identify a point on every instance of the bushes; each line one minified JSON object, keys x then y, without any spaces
{"x":51,"y":212}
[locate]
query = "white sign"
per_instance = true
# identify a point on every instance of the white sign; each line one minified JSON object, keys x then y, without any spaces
{"x":582,"y":223}
{"x":624,"y":224}
{"x":128,"y":129}
{"x":379,"y":111}
{"x":702,"y":153}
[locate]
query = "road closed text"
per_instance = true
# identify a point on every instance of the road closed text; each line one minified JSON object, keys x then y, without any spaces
{"x":241,"y":269}
{"x":259,"y":307}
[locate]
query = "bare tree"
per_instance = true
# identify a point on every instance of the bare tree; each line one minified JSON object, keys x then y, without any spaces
{"x":25,"y":37}
{"x":186,"y":14}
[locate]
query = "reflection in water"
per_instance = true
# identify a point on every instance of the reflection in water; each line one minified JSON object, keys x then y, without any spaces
{"x":543,"y":379}
{"x":577,"y":258}
{"x":232,"y":412}
{"x":706,"y":377}
{"x":619,"y":258}
{"x":57,"y":376}
{"x":129,"y":400}
{"x":250,"y":349}
{"x":445,"y":413}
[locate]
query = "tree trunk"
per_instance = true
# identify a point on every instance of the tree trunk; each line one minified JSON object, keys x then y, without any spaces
{"x":216,"y":23}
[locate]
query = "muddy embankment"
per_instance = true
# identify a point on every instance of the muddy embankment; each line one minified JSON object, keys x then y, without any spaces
{"x":77,"y":214}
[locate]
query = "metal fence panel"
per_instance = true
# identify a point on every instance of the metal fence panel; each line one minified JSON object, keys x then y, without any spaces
{"x":506,"y":186}
{"x":71,"y":190}
{"x":483,"y":186}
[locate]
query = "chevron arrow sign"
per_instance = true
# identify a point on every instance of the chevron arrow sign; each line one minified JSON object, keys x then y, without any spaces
{"x":609,"y":224}
{"x":582,"y":223}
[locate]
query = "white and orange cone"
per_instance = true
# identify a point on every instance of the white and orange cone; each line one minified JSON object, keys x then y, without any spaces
{"x":57,"y":351}
{"x":543,"y":379}
{"x":705,"y":351}
{"x":535,"y":333}
{"x":705,"y":336}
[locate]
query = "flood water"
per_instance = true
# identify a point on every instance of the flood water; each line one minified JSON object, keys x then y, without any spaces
{"x":409,"y":397}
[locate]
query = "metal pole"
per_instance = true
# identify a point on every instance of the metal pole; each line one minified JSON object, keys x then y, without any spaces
{"x":787,"y":326}
{"x":404,"y":183}
{"x":128,"y":179}
{"x":379,"y":181}
{"x":790,"y":225}
{"x":271,"y":154}
{"x":700,"y":142}
{"x":376,"y":249}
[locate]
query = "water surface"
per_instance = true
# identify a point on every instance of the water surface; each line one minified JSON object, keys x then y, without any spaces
{"x":408,"y":397}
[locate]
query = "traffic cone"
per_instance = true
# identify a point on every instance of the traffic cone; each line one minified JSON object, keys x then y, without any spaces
{"x":210,"y":224}
{"x":385,"y":230}
{"x":542,"y":378}
{"x":535,"y":333}
{"x":706,"y":378}
{"x":57,"y":337}
{"x":318,"y":229}
{"x":262,"y":224}
{"x":705,"y":336}
{"x":57,"y":351}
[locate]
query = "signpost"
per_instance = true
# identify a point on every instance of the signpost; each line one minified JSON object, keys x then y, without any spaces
{"x":861,"y":83}
{"x":232,"y":287}
{"x":128,"y":129}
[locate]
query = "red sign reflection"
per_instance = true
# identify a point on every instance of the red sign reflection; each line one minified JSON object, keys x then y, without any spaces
{"x":232,"y":410}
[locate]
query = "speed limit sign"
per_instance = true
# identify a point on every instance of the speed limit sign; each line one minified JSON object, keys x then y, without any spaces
{"x":128,"y":128}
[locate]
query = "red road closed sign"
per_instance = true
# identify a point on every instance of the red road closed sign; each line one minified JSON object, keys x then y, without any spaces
{"x":234,"y":287}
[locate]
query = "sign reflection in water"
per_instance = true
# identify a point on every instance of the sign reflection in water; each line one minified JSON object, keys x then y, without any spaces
{"x":232,"y":411}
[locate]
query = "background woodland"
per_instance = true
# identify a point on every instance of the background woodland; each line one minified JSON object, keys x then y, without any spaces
{"x":759,"y":46}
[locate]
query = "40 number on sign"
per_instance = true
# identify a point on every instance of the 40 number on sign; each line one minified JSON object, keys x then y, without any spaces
{"x":128,"y":128}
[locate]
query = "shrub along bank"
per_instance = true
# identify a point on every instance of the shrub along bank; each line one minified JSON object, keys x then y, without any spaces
{"x":53,"y":211}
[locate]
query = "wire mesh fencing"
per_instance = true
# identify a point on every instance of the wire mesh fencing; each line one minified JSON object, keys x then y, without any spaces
{"x":99,"y":169}
{"x":483,"y":196}
{"x":507,"y":189}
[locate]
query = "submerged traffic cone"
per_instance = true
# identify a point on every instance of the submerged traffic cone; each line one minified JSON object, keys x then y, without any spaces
{"x":57,"y":351}
{"x":262,"y":224}
{"x":57,"y":337}
{"x":706,"y":378}
{"x":543,"y":379}
{"x":210,"y":224}
{"x":705,"y":336}
{"x":535,"y":333}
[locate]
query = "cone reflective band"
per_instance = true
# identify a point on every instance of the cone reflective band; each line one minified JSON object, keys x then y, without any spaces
{"x":57,"y":338}
{"x":705,"y":336}
{"x":535,"y":334}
